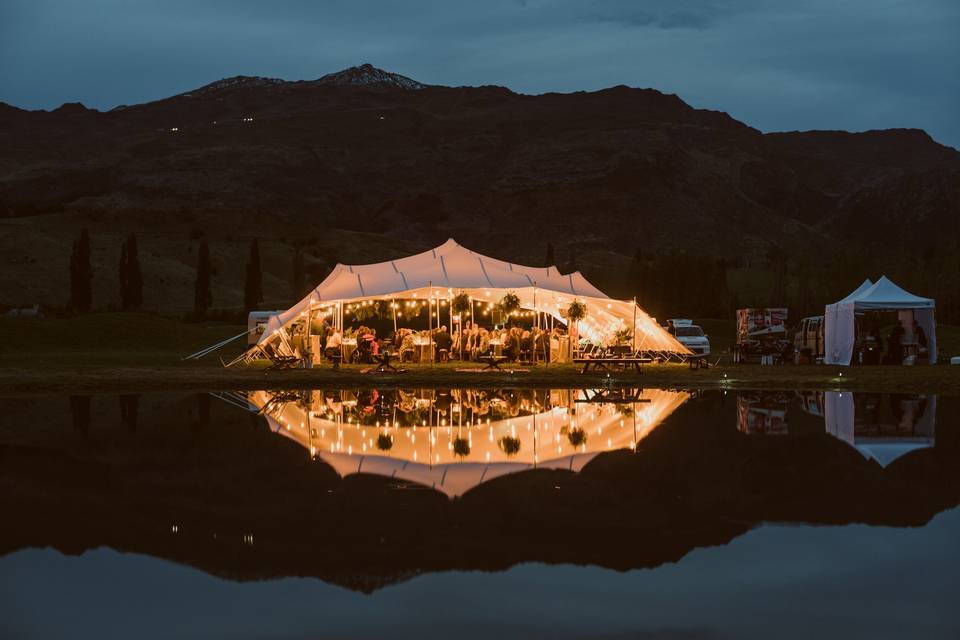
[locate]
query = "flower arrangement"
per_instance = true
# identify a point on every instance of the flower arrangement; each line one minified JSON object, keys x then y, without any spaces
{"x":509,"y":303}
{"x":577,"y":437}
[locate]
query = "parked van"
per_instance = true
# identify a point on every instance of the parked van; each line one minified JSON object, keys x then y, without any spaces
{"x":808,"y":341}
{"x":256,"y":323}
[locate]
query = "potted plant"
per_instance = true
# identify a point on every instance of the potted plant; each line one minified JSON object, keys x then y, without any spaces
{"x":461,"y":447}
{"x":460,"y":304}
{"x":577,"y":437}
{"x":624,"y":336}
{"x":509,"y":445}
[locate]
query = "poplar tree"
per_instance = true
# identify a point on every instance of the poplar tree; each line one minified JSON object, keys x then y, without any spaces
{"x":253,"y":287}
{"x":131,"y":278}
{"x":81,"y":274}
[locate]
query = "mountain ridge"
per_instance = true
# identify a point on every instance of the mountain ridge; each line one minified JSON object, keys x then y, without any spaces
{"x":600,"y":175}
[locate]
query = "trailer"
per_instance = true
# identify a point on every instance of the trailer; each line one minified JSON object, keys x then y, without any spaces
{"x":761,"y":335}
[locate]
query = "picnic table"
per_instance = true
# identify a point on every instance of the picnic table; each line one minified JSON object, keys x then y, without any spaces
{"x":605,"y":364}
{"x":699,"y":361}
{"x":493,"y":361}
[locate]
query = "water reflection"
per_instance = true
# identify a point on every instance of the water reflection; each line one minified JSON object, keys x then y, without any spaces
{"x":455,"y":439}
{"x":264,"y":483}
{"x":882,"y":427}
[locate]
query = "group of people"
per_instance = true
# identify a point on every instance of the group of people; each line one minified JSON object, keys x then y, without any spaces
{"x":872,"y":351}
{"x":473,"y":342}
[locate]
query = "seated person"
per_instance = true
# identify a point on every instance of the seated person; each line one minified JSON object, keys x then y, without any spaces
{"x":334,"y":343}
{"x":407,"y":347}
{"x":443,"y":340}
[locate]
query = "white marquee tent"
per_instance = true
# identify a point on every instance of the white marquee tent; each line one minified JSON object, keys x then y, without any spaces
{"x":883,"y":295}
{"x":440,"y":273}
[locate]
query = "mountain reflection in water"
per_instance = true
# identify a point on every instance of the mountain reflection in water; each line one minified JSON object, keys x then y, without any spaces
{"x":365,"y":488}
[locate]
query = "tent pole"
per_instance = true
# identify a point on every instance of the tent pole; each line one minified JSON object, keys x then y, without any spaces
{"x":309,"y":347}
{"x":393,"y":305}
{"x":430,"y":319}
{"x":633,"y":341}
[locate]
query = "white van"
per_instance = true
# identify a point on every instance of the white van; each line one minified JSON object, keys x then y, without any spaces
{"x":689,"y":335}
{"x":256,"y":323}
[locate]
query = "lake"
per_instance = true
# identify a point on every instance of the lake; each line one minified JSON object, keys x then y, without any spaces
{"x":555,"y":513}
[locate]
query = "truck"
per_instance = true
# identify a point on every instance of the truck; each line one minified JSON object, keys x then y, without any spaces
{"x":761,"y":335}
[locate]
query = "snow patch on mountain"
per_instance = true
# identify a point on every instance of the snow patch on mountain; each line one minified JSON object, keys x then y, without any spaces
{"x":236,"y":82}
{"x":367,"y":75}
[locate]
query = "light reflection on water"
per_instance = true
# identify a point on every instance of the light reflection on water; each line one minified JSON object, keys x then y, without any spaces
{"x":454,"y":439}
{"x":265,"y":484}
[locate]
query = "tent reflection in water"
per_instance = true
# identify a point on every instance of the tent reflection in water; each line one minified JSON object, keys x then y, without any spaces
{"x":437,"y":275}
{"x":852,"y":418}
{"x":457,"y":448}
{"x":883,"y":295}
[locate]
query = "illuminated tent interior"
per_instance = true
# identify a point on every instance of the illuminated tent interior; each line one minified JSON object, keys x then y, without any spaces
{"x":435,"y":276}
{"x":455,"y":442}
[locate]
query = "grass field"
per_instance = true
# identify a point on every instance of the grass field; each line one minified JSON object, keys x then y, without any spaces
{"x":112,"y":351}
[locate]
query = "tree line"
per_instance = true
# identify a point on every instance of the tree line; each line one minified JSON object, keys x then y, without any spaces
{"x":666,"y":284}
{"x":131,"y":282}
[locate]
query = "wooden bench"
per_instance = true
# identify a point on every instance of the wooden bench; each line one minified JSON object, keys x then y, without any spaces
{"x":605,"y":364}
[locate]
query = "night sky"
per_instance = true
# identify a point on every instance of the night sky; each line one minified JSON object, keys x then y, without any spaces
{"x":776,"y":65}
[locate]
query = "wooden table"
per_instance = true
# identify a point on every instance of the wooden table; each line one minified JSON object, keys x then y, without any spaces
{"x":605,"y":364}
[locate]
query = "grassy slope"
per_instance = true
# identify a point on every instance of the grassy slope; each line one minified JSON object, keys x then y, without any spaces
{"x":101,"y":339}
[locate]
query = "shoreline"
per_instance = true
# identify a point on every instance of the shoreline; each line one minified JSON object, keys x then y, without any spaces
{"x":106,"y":378}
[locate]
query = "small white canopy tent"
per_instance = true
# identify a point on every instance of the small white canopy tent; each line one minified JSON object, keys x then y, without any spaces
{"x":883,"y":295}
{"x":450,"y":269}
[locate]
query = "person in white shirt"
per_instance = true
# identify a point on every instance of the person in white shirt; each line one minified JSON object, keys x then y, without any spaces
{"x":334,"y":342}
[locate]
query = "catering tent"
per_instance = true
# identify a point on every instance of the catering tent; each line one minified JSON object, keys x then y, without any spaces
{"x":449,"y":269}
{"x":840,"y":418}
{"x":426,"y":454}
{"x":883,"y":295}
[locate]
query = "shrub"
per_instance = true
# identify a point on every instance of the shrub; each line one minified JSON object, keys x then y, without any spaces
{"x":509,"y":445}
